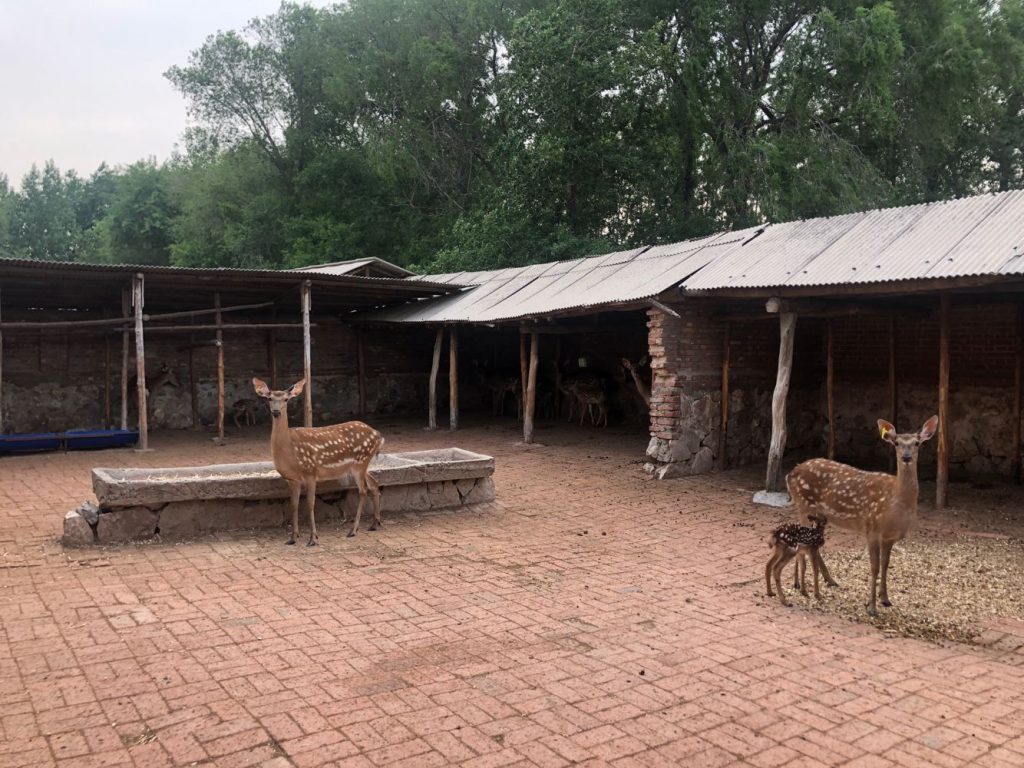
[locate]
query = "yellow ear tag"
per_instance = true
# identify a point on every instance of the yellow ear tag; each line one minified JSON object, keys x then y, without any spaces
{"x":884,"y":432}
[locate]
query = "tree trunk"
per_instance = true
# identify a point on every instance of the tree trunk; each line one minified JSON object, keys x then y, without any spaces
{"x":531,"y":389}
{"x":777,"y":448}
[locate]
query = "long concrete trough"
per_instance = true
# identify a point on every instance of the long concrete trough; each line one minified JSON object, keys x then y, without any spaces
{"x":181,"y":502}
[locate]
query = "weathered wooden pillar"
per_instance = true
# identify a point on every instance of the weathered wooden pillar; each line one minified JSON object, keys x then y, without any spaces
{"x":220,"y":367}
{"x":193,"y":389}
{"x":106,"y":379}
{"x":893,"y":392}
{"x":524,"y":372}
{"x":361,"y":371}
{"x":942,"y":470}
{"x":830,"y":399}
{"x":531,"y":389}
{"x":307,"y":353}
{"x":723,"y":427}
{"x":272,"y":357}
{"x":453,"y":378}
{"x":777,"y":447}
{"x":139,"y":300}
{"x":558,"y":377}
{"x":124,"y":359}
{"x":1018,"y":363}
{"x":435,"y":366}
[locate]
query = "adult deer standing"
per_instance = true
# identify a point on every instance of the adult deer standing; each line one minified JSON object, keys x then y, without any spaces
{"x":880,"y":505}
{"x":306,"y":455}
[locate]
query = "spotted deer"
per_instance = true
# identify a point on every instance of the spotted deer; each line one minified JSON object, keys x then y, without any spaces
{"x":306,"y":455}
{"x":244,"y":409}
{"x":587,"y":393}
{"x":643,"y":385}
{"x":500,"y":384}
{"x":789,"y":541}
{"x":882,"y":506}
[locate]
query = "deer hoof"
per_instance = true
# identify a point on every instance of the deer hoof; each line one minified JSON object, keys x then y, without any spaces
{"x":832,"y":583}
{"x":290,"y":541}
{"x":872,"y":612}
{"x":374,"y":527}
{"x":311,"y":543}
{"x":886,"y":603}
{"x":350,"y":534}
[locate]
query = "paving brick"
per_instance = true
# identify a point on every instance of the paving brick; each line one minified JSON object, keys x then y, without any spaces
{"x":511,"y":633}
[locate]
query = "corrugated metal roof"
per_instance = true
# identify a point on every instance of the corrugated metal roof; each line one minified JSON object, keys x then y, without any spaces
{"x":973,"y":236}
{"x":542,"y":289}
{"x":357,"y":266}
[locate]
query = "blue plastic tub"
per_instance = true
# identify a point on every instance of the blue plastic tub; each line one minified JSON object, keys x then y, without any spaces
{"x":29,"y":442}
{"x":94,"y":439}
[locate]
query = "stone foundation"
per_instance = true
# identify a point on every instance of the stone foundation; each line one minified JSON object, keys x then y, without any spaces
{"x":181,"y":502}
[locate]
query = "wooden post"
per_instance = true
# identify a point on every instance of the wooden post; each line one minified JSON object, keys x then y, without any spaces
{"x":361,"y":371}
{"x":220,"y":368}
{"x":307,"y":362}
{"x":139,"y":300}
{"x":106,"y":381}
{"x":531,"y":390}
{"x":434,"y":367}
{"x":558,"y":377}
{"x":787,"y":330}
{"x":723,"y":428}
{"x":272,"y":357}
{"x":942,"y":470}
{"x":192,"y":388}
{"x":2,"y":375}
{"x":453,"y":379}
{"x":830,"y":391}
{"x":524,"y":372}
{"x":124,"y":360}
{"x":893,"y":393}
{"x":1018,"y":362}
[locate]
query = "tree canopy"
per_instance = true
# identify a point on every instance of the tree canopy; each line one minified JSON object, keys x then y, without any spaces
{"x":452,"y":134}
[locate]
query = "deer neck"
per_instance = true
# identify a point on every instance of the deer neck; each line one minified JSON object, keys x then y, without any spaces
{"x":906,"y":484}
{"x":281,"y":441}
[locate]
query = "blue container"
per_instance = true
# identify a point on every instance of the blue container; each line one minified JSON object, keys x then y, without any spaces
{"x":93,"y":439}
{"x":29,"y":442}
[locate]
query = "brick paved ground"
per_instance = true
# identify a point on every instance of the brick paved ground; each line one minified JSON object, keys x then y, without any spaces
{"x":592,"y":616}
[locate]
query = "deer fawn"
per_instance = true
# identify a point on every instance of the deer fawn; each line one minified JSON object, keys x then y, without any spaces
{"x":880,"y":505}
{"x":643,"y":386}
{"x":788,"y":541}
{"x":305,"y":455}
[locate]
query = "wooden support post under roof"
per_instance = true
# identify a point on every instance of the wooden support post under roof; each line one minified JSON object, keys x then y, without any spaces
{"x":531,"y":389}
{"x":220,"y":368}
{"x":777,"y":447}
{"x":435,"y":366}
{"x":830,"y":400}
{"x":139,"y":300}
{"x":723,"y":427}
{"x":942,"y":470}
{"x":106,"y":382}
{"x":1,"y":374}
{"x":361,"y":370}
{"x":124,"y":360}
{"x":893,"y":392}
{"x":453,"y":378}
{"x":558,"y":377}
{"x":1018,"y":365}
{"x":524,"y":372}
{"x":307,"y":353}
{"x":272,"y":357}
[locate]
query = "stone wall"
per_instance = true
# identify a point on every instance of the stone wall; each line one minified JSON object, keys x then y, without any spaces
{"x":687,"y":359}
{"x":54,"y":382}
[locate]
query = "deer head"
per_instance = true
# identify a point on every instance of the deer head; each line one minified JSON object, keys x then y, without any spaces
{"x":907,"y":444}
{"x":277,"y":399}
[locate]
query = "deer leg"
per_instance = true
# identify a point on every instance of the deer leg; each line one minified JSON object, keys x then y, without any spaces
{"x":769,"y":569}
{"x":815,"y":566}
{"x":801,"y":568}
{"x":874,"y":550}
{"x":883,"y":592}
{"x":311,"y":506}
{"x":784,"y":558}
{"x":361,"y":485}
{"x":797,"y":578}
{"x":824,"y":570}
{"x":296,"y":488}
{"x":375,"y":490}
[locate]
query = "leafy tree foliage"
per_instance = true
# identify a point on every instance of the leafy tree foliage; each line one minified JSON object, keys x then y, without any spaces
{"x":465,"y":134}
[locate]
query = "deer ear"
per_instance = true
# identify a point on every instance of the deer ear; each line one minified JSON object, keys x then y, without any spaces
{"x":261,"y":387}
{"x":929,"y":429}
{"x":887,"y":431}
{"x":296,"y":389}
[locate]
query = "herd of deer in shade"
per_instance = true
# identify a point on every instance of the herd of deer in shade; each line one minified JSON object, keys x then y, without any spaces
{"x":881,"y":506}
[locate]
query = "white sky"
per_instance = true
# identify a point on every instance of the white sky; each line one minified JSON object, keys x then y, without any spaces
{"x":81,"y":81}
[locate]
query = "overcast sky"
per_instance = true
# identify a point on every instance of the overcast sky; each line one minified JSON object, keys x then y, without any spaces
{"x":81,"y":81}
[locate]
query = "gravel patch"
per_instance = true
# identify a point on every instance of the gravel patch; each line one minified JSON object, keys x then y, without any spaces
{"x":940,"y":589}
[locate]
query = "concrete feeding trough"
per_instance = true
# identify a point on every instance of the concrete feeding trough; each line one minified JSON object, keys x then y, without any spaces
{"x":177,"y":502}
